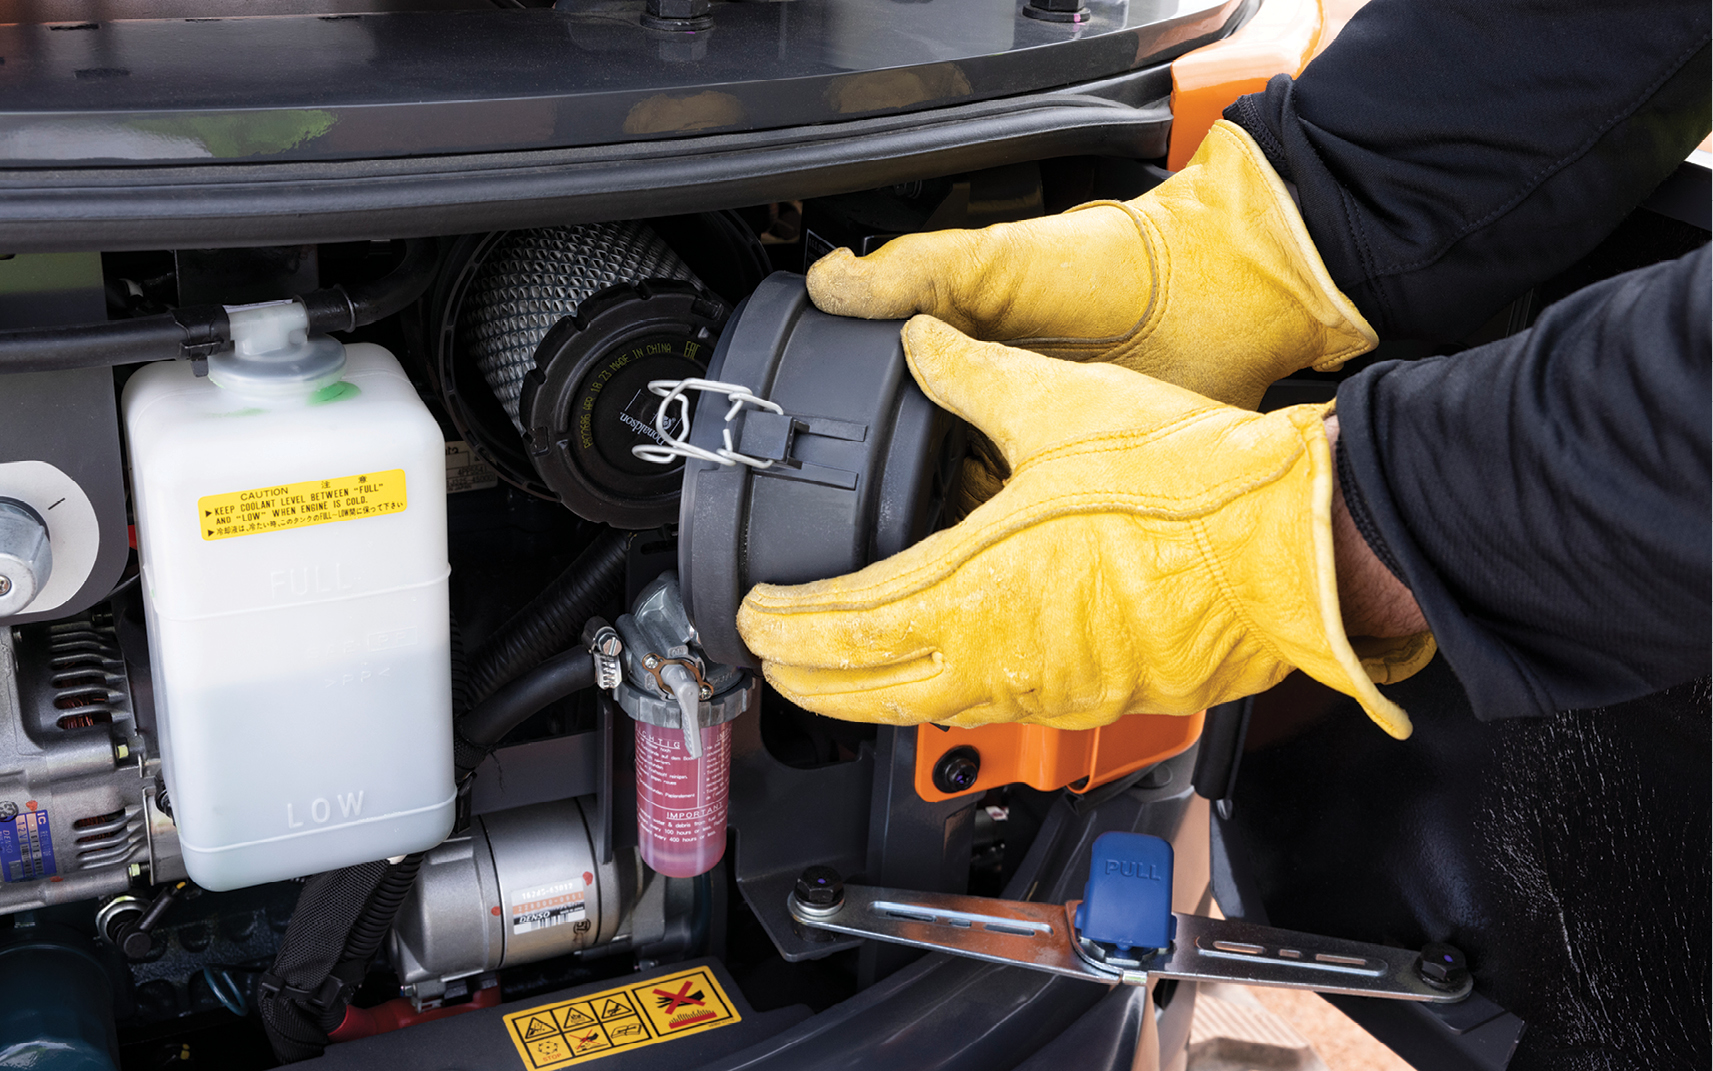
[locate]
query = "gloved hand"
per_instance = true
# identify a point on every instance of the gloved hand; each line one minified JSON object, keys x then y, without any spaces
{"x":1208,"y":281}
{"x":1153,"y":552}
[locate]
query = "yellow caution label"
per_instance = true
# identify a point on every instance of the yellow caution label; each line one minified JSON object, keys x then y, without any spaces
{"x":588,"y":1028}
{"x":299,"y":505}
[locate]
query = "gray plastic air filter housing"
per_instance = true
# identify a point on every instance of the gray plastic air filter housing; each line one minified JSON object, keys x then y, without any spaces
{"x":860,"y":468}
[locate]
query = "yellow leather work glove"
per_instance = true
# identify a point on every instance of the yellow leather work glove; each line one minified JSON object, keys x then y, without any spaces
{"x":1208,"y":281}
{"x":1153,"y":552}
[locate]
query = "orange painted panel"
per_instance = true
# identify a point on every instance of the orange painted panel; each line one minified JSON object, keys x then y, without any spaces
{"x":1279,"y":39}
{"x":1048,"y":759}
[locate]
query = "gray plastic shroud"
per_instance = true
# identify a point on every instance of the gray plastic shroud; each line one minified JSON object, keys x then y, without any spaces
{"x":844,"y":498}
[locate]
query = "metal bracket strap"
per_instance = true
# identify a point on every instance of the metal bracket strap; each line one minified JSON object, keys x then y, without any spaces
{"x":1041,"y":937}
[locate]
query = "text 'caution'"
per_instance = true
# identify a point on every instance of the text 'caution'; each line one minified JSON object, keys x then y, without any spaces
{"x":615,"y":1020}
{"x":298,"y":505}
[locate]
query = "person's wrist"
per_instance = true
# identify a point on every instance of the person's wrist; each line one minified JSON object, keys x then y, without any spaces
{"x":1372,"y":600}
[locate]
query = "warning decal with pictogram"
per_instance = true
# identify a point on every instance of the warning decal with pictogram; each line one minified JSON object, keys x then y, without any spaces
{"x":536,"y":1027}
{"x":572,"y":1017}
{"x":613,"y":1009}
{"x":575,"y":1031}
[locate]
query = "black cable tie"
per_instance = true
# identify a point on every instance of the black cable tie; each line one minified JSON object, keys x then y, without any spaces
{"x":321,"y":998}
{"x":207,"y":331}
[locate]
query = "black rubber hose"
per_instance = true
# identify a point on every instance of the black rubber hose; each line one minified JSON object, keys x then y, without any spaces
{"x":460,"y":672}
{"x":552,"y":621}
{"x":165,"y":337}
{"x":491,"y":719}
{"x":345,"y":308}
{"x":197,"y":331}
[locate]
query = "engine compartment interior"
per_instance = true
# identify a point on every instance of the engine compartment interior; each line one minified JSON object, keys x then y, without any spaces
{"x":531,"y":352}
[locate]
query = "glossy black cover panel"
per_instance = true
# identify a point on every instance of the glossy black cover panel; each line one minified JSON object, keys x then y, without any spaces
{"x":297,"y":87}
{"x":113,"y":208}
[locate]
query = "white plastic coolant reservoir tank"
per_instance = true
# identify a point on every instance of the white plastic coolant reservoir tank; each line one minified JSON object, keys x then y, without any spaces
{"x":291,"y":517}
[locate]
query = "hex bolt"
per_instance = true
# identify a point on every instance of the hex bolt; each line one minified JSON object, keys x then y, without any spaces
{"x":1071,"y":11}
{"x":819,"y":886}
{"x":678,"y":9}
{"x":678,"y":14}
{"x":957,"y":770}
{"x":26,"y":556}
{"x":1442,"y":966}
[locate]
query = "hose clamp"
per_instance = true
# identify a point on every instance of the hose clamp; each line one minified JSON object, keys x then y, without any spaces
{"x":605,"y":647}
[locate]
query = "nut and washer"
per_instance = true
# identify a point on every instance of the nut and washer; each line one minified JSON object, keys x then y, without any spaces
{"x":819,"y":892}
{"x":654,"y":664}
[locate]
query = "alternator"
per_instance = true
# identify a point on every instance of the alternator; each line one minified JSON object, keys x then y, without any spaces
{"x":79,"y":810}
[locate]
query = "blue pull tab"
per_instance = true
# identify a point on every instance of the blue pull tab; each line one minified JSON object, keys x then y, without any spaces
{"x":1128,"y":899}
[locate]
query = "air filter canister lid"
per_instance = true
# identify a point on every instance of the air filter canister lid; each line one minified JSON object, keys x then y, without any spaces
{"x":547,"y":339}
{"x":858,"y":464}
{"x":586,"y":402}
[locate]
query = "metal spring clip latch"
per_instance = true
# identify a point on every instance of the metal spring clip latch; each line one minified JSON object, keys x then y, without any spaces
{"x":679,"y":446}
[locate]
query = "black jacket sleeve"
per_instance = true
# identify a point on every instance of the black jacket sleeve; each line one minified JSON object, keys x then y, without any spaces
{"x":1546,"y":497}
{"x":1449,"y":154}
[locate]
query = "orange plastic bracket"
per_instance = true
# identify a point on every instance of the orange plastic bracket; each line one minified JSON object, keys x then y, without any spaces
{"x":1279,"y":39}
{"x":1049,"y":759}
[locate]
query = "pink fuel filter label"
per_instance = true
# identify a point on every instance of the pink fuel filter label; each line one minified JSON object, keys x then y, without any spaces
{"x":681,"y":801}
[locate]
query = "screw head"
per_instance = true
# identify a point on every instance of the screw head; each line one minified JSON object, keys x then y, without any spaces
{"x":820,"y":886}
{"x":957,"y":770}
{"x":8,"y":810}
{"x":1442,"y":966}
{"x":706,"y":692}
{"x":5,"y":584}
{"x":650,"y":661}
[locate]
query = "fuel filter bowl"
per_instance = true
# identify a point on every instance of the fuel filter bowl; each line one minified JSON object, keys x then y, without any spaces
{"x":683,"y":705}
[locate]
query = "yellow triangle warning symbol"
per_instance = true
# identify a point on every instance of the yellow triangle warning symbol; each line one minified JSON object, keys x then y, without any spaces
{"x":575,"y":1019}
{"x":612,"y":1009}
{"x":536,"y":1027}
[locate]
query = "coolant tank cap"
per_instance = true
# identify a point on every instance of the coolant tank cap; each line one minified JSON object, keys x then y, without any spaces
{"x":273,"y":354}
{"x":1128,"y":899}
